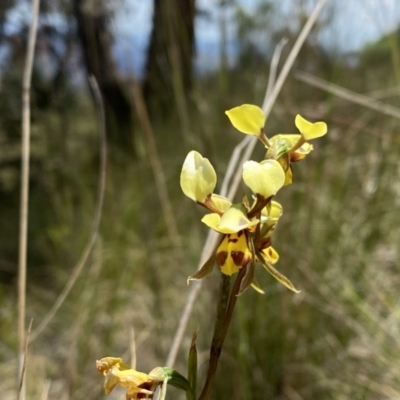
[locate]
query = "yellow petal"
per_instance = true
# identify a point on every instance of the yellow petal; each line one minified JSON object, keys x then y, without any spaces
{"x":272,"y":212}
{"x":247,"y":118}
{"x":212,"y":221}
{"x":106,"y":363}
{"x":264,"y":178}
{"x":233,"y":253}
{"x":127,"y":378}
{"x":269,"y":218}
{"x":300,"y":153}
{"x":198,"y":177}
{"x":310,"y":130}
{"x":256,"y":287}
{"x":270,"y":255}
{"x":222,"y":203}
{"x":232,"y":221}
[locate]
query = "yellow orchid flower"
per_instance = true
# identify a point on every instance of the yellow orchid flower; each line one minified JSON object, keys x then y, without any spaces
{"x":247,"y":118}
{"x":136,"y":382}
{"x":198,"y":177}
{"x":118,"y":373}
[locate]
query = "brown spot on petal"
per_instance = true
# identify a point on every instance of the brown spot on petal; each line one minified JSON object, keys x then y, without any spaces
{"x":232,"y":240}
{"x":296,"y":156}
{"x":238,"y":257}
{"x":221,"y":257}
{"x":264,"y":243}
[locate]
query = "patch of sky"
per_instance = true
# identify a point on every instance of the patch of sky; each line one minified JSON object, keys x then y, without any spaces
{"x":344,"y":26}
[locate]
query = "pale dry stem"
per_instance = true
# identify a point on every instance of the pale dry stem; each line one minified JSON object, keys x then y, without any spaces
{"x":24,"y":205}
{"x":347,"y":94}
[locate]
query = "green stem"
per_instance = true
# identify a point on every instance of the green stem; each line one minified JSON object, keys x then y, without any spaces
{"x":224,"y":316}
{"x":232,"y":301}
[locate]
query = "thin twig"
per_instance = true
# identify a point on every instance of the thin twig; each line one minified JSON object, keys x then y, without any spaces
{"x":158,"y":171}
{"x":97,"y":216}
{"x":348,"y":94}
{"x":24,"y":204}
{"x":233,"y":163}
{"x":292,"y":56}
{"x":133,"y":348}
{"x":274,"y":67}
{"x":212,"y":236}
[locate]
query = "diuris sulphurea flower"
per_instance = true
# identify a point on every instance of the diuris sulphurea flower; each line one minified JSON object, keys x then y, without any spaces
{"x":138,"y":384}
{"x":247,"y":229}
{"x":240,"y":246}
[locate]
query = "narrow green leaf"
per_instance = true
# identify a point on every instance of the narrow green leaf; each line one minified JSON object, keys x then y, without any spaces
{"x":177,"y":380}
{"x":248,"y":278}
{"x":205,"y":270}
{"x":192,"y":366}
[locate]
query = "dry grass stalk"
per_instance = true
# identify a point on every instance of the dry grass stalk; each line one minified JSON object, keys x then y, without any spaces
{"x":24,"y":207}
{"x":347,"y":94}
{"x":158,"y":172}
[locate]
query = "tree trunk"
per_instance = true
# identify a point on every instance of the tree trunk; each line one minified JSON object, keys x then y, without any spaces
{"x":96,"y":40}
{"x":170,"y":56}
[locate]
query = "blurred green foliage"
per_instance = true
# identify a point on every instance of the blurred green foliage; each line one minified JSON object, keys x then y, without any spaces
{"x":339,"y":236}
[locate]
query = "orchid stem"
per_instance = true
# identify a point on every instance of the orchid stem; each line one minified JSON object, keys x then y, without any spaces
{"x":224,"y":316}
